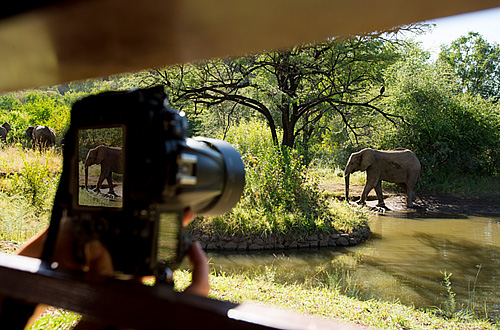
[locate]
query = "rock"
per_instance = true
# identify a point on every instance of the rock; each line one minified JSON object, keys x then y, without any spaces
{"x":242,"y":243}
{"x":231,"y":246}
{"x":211,"y":246}
{"x":342,"y":241}
{"x":255,"y":247}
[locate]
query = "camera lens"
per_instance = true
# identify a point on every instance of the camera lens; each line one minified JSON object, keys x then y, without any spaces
{"x":210,"y":176}
{"x":234,"y":177}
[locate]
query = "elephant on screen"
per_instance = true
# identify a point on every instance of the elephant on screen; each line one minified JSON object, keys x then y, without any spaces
{"x":110,"y":160}
{"x":400,"y":166}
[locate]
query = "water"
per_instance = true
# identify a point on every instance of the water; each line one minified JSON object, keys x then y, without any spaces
{"x":405,"y":259}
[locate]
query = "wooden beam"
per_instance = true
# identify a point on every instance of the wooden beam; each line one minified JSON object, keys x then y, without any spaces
{"x":133,"y":305}
{"x":72,"y":40}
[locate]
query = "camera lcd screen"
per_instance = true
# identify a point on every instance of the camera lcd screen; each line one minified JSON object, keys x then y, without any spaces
{"x":100,"y":167}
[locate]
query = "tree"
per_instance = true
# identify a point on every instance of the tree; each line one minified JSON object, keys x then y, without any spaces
{"x":451,"y":132}
{"x":477,"y":64}
{"x":292,"y":89}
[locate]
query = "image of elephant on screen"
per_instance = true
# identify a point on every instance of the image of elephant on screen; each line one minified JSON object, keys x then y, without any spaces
{"x":399,"y":166}
{"x":110,"y":160}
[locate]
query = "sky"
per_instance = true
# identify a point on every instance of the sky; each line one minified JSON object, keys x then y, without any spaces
{"x":448,"y":29}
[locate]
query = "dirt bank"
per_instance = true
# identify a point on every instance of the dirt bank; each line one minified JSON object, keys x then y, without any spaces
{"x":429,"y":203}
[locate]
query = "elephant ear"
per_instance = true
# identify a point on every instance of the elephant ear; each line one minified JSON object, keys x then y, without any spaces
{"x":367,"y":158}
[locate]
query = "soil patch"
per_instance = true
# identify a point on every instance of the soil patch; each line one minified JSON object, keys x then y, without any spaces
{"x":428,"y":203}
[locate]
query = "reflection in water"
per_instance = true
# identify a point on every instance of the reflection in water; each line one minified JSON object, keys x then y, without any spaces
{"x":405,"y":259}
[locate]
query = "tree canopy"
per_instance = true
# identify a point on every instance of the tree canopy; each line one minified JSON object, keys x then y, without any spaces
{"x":292,"y":89}
{"x":476,"y":63}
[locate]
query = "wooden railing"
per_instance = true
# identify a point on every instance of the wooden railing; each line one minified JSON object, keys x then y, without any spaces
{"x":132,"y":305}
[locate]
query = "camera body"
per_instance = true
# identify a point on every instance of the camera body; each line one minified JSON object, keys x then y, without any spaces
{"x":138,"y":146}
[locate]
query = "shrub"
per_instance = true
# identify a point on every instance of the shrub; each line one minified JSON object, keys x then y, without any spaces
{"x":452,"y":133}
{"x":281,"y":195}
{"x":36,"y":182}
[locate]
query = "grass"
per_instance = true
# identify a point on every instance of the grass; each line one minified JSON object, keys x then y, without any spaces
{"x":56,"y":319}
{"x":27,"y":188}
{"x":18,"y":219}
{"x":325,"y":302}
{"x":466,"y":186}
{"x":255,"y":222}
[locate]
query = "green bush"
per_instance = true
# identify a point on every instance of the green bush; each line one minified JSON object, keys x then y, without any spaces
{"x":36,"y":182}
{"x":281,"y":195}
{"x":452,"y":133}
{"x":31,"y":108}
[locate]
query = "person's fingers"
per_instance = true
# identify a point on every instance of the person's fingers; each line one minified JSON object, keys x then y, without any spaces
{"x":188,"y":216}
{"x":98,"y":259}
{"x":34,"y":246}
{"x":199,"y":283}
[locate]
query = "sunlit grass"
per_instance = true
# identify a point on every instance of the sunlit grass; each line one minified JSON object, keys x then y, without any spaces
{"x":27,"y":188}
{"x":327,"y":303}
{"x":18,"y":219}
{"x":12,"y":158}
{"x":56,"y":319}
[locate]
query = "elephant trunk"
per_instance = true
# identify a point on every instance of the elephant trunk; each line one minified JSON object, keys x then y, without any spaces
{"x":346,"y":177}
{"x":347,"y":174}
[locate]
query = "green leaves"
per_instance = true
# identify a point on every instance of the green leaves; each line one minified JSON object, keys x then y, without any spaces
{"x":452,"y":130}
{"x":476,"y":63}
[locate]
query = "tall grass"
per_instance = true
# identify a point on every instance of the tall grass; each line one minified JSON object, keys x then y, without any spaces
{"x":27,"y":189}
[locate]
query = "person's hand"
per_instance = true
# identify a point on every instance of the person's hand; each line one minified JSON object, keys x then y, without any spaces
{"x":199,"y":265}
{"x":98,"y":259}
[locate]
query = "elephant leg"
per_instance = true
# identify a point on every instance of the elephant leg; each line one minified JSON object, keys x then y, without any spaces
{"x":366,"y":190}
{"x":102,"y":176}
{"x":109,"y":178}
{"x":410,"y":195}
{"x":380,"y":196}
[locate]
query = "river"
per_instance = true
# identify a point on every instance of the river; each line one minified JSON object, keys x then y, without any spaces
{"x":406,"y":258}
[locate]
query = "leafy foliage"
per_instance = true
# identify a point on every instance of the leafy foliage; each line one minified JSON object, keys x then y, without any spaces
{"x":36,"y":182}
{"x":281,"y":194}
{"x":476,"y":63}
{"x":451,"y":132}
{"x":292,"y":90}
{"x":34,"y":108}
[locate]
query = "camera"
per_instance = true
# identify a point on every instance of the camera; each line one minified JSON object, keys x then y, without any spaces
{"x":130,"y":171}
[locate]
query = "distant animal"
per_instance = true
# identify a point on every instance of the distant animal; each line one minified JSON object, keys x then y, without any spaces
{"x":382,"y":90}
{"x":400,"y":166}
{"x":4,"y":130}
{"x":42,"y":136}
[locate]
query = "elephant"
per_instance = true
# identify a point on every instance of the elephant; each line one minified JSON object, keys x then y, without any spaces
{"x":400,"y":166}
{"x":4,"y":129}
{"x":42,"y":136}
{"x":110,"y":159}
